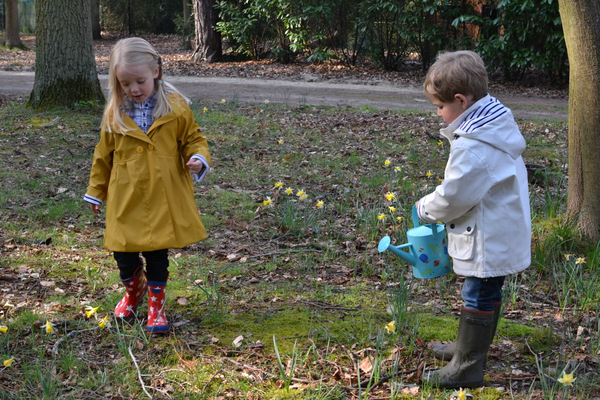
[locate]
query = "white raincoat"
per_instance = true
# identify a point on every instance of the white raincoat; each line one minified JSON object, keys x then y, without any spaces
{"x":484,"y":197}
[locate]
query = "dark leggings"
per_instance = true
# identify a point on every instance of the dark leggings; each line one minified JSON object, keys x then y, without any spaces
{"x":157,"y":264}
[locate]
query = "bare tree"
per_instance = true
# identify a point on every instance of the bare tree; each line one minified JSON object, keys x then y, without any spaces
{"x":208,"y":40}
{"x":11,"y":11}
{"x":582,"y":37}
{"x":65,"y":67}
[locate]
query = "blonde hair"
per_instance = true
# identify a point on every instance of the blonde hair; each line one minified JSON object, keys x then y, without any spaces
{"x":133,"y":51}
{"x":459,"y":72}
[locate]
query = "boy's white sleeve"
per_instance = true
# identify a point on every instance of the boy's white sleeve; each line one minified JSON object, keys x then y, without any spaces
{"x":466,"y":181}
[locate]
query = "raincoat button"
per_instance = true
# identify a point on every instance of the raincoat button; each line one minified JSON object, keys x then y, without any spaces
{"x":139,"y":149}
{"x":150,"y":147}
{"x":468,"y":229}
{"x":452,"y":226}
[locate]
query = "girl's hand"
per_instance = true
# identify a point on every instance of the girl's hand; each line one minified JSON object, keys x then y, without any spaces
{"x":195,"y":165}
{"x":95,"y":208}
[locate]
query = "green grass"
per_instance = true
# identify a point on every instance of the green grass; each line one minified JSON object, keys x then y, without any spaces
{"x":309,"y":276}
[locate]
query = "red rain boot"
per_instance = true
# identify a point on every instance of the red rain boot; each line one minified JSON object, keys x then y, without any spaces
{"x":135,"y":287}
{"x":157,"y":321}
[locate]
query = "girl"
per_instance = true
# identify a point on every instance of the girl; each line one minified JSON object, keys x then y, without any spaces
{"x":149,"y":144}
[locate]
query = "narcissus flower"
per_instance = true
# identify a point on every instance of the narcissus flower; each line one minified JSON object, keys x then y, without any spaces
{"x":223,"y":101}
{"x":320,"y":203}
{"x":205,"y":109}
{"x":8,"y":363}
{"x":49,"y":327}
{"x":381,"y":216}
{"x":289,"y":190}
{"x":439,"y":143}
{"x":392,"y":208}
{"x":280,"y":141}
{"x":566,"y":379}
{"x":390,"y":196}
{"x":391,"y":327}
{"x":387,"y":162}
{"x":89,"y":311}
{"x":397,"y":169}
{"x":278,"y":184}
{"x":267,"y":202}
{"x":568,"y":256}
{"x":3,"y":329}
{"x":301,"y":194}
{"x":580,"y":260}
{"x":429,"y":173}
{"x":266,"y":101}
{"x":399,"y":219}
{"x":104,"y":322}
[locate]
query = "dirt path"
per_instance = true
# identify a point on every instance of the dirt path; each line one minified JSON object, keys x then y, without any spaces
{"x":15,"y":85}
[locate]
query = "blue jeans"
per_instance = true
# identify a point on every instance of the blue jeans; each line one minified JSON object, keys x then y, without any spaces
{"x":481,"y":293}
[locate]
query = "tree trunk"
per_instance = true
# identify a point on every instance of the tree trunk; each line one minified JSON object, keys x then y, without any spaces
{"x":65,"y":68}
{"x":582,"y":38}
{"x":95,"y":14}
{"x":208,"y":40}
{"x":11,"y":11}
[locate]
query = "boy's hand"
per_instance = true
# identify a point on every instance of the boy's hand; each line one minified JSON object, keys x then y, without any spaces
{"x":95,"y":208}
{"x":195,"y":165}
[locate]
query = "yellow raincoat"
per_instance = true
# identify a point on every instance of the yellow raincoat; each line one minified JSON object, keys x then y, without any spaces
{"x":147,"y":188}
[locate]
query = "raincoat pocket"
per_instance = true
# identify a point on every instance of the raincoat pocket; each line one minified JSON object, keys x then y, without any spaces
{"x":461,"y":240}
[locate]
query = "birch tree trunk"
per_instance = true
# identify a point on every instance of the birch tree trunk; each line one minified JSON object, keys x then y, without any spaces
{"x":65,"y":68}
{"x":582,"y":38}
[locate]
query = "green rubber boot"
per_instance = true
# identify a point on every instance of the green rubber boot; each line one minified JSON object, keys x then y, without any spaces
{"x":465,"y":369}
{"x":445,"y":352}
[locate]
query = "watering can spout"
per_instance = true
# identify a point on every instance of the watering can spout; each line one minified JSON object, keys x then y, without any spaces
{"x":385,"y":244}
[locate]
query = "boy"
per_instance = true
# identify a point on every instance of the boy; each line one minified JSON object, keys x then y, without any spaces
{"x":484,"y":202}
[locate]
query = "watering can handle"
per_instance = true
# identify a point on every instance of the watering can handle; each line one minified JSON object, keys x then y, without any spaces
{"x":415,"y":216}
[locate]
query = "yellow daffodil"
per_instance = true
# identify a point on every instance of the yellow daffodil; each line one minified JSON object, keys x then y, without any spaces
{"x":580,"y":260}
{"x":89,"y":311}
{"x":439,"y":143}
{"x":566,"y":379}
{"x":278,"y":184}
{"x":223,"y":101}
{"x":3,"y":329}
{"x":289,"y":190}
{"x":391,"y":327}
{"x":397,"y":169}
{"x":104,"y":322}
{"x":267,"y":202}
{"x":440,"y":180}
{"x":429,"y":173}
{"x":205,"y":109}
{"x":392,"y":208}
{"x":390,"y":196}
{"x":387,"y":162}
{"x":462,"y":395}
{"x":320,"y":203}
{"x":8,"y":363}
{"x":266,"y":101}
{"x":49,"y":327}
{"x":381,"y":216}
{"x":568,"y":256}
{"x":399,"y":219}
{"x":280,"y":141}
{"x":301,"y":195}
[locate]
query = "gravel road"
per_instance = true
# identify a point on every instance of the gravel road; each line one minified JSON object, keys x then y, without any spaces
{"x":18,"y":85}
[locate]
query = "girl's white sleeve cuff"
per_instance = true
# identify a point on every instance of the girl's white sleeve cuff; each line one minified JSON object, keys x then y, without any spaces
{"x":92,"y":200}
{"x":200,"y":175}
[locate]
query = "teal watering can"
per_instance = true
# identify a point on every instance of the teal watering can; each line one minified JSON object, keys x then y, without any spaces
{"x":428,"y":249}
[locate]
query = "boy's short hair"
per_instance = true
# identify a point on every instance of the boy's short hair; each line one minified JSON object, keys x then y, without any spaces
{"x":458,"y":72}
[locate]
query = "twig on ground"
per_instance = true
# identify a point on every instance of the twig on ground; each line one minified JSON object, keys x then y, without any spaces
{"x":138,"y":371}
{"x":68,"y":336}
